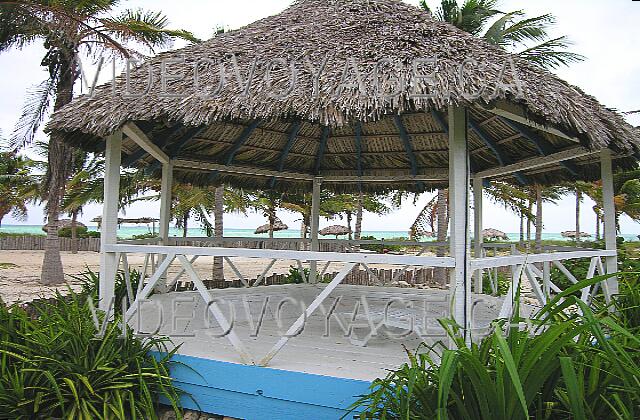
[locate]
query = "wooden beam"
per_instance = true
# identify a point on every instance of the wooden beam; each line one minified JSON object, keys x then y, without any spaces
{"x":132,"y":131}
{"x":537,"y":162}
{"x":544,"y":147}
{"x":242,"y":170}
{"x":244,"y":136}
{"x":293,"y":135}
{"x":516,"y":113}
{"x":322,"y":147}
{"x":138,"y":154}
{"x":477,"y":230}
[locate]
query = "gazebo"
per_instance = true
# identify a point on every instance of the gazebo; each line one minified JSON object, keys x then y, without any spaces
{"x":358,"y":95}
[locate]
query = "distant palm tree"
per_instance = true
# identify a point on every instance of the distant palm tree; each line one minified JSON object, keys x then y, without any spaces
{"x":18,"y":187}
{"x":67,"y":29}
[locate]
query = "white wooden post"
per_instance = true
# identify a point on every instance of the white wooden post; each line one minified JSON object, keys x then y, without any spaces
{"x":165,"y":202}
{"x":609,"y":210}
{"x":315,"y":222}
{"x":477,"y":231}
{"x":459,"y":206}
{"x":109,"y":227}
{"x":166,"y":184}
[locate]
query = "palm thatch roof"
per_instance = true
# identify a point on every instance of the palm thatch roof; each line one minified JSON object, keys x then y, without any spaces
{"x":572,"y":234}
{"x":64,"y":223}
{"x":336,"y":230}
{"x":494,"y":234}
{"x":344,"y":115}
{"x":277,"y":226}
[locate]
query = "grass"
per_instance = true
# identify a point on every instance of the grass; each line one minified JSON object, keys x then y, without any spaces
{"x":8,"y":265}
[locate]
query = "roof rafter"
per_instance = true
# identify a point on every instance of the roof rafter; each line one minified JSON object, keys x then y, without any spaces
{"x":358,"y":134}
{"x":322,"y":147}
{"x":503,"y":160}
{"x":132,"y":131}
{"x":406,"y":140}
{"x":293,"y":135}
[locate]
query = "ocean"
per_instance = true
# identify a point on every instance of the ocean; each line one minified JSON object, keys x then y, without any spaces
{"x":128,"y":231}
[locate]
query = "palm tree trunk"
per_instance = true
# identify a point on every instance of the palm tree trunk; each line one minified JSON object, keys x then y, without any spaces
{"x":578,"y":200}
{"x":59,"y":161}
{"x":440,"y":273}
{"x":272,"y":220}
{"x":349,"y":224}
{"x":359,"y":208}
{"x":521,"y":230}
{"x":74,"y":232}
{"x":218,"y":231}
{"x":185,"y":224}
{"x":538,"y":218}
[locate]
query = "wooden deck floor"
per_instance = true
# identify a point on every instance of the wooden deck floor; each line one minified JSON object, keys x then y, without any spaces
{"x":323,"y":347}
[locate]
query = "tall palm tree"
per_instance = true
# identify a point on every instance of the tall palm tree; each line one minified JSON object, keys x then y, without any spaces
{"x":68,"y":29}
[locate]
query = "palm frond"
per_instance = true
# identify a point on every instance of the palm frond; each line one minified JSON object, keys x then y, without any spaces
{"x":34,"y":110}
{"x":146,"y":27}
{"x":551,"y":54}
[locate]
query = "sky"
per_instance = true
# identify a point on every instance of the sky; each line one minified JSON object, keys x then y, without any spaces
{"x":605,"y":32}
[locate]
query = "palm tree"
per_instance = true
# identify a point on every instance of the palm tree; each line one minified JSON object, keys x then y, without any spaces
{"x":18,"y":186}
{"x":626,"y":190}
{"x":512,"y":31}
{"x":68,"y":29}
{"x":337,"y":205}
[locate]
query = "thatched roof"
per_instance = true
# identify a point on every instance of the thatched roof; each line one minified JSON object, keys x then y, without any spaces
{"x":336,"y":230}
{"x":494,"y":234}
{"x":572,"y":234}
{"x":277,"y":226}
{"x":63,"y":223}
{"x":321,"y":126}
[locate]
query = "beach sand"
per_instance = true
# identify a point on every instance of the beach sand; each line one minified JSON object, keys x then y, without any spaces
{"x":20,"y":271}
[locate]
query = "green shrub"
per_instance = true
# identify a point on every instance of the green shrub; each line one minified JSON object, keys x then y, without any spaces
{"x":90,"y":281}
{"x":82,"y":232}
{"x":53,"y":366}
{"x":147,"y":235}
{"x":562,"y":365}
{"x":380,"y":248}
{"x":503,"y":284}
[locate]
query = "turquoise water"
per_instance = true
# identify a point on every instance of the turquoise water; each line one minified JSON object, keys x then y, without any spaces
{"x":129,"y":231}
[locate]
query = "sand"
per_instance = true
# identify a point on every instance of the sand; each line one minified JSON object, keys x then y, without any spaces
{"x":20,"y":271}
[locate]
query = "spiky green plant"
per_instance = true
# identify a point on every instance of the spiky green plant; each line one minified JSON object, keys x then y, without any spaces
{"x":53,"y":366}
{"x":561,"y":365}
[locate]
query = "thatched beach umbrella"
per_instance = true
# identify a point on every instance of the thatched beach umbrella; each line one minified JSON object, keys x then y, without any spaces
{"x":64,"y":223}
{"x":572,"y":234}
{"x":277,"y":226}
{"x":337,"y":230}
{"x":494,"y":234}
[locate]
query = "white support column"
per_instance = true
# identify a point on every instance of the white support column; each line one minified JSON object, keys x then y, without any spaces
{"x":609,"y":210}
{"x":315,"y":223}
{"x":477,"y":229}
{"x":109,"y":228}
{"x":165,"y":201}
{"x":166,"y":185}
{"x":459,"y":205}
